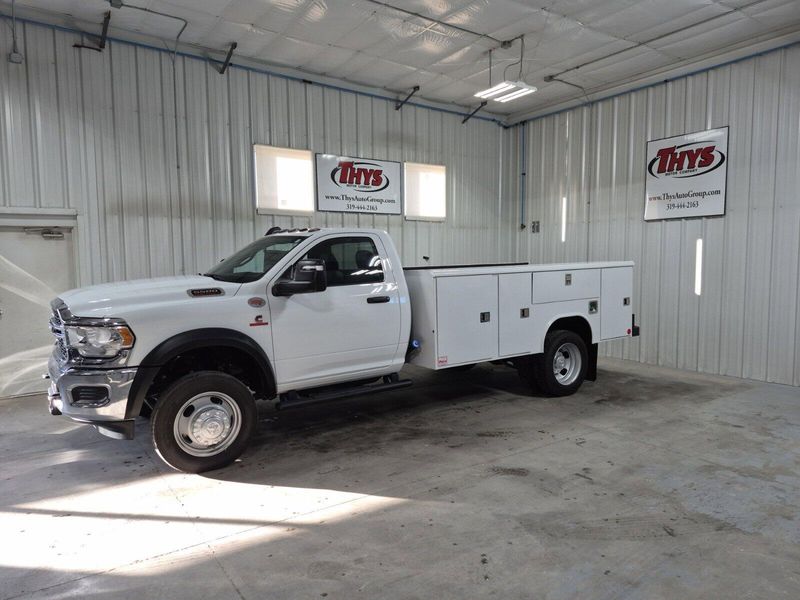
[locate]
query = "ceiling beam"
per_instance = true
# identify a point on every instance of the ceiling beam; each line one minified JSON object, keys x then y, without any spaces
{"x":768,"y":42}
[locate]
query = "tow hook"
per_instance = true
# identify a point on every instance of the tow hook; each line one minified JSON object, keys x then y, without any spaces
{"x":51,"y":399}
{"x":53,"y":410}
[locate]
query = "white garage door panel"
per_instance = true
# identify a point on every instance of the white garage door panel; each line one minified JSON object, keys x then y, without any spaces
{"x":461,"y":336}
{"x":33,"y":271}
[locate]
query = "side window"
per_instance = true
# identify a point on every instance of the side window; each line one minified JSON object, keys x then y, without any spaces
{"x":349,"y":260}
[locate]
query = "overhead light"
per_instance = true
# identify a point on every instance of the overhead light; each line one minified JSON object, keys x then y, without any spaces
{"x":523,"y":89}
{"x":507,"y":91}
{"x":698,"y":267}
{"x":493,"y":91}
{"x":515,"y":95}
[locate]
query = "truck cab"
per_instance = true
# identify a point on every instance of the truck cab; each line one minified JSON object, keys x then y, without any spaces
{"x":356,"y":326}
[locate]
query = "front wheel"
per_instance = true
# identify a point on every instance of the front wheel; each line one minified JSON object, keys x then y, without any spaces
{"x":203,"y":421}
{"x":561,"y":368}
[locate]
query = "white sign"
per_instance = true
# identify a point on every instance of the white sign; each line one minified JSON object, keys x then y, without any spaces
{"x":347,"y":184}
{"x":687,"y":175}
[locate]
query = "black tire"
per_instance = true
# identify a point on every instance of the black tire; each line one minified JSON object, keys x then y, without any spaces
{"x":542,"y":374}
{"x":219,"y":397}
{"x":146,"y":411}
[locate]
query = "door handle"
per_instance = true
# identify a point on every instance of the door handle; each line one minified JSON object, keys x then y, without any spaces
{"x":377,"y":299}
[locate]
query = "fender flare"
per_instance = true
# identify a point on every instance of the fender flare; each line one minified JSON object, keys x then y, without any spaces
{"x":192,"y":340}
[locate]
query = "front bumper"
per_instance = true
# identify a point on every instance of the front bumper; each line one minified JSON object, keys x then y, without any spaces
{"x":98,"y":397}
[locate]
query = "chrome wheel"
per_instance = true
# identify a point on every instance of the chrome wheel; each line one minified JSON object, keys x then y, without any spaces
{"x":207,"y":424}
{"x":567,"y":363}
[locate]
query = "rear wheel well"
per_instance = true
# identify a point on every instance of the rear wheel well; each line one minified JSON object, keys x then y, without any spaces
{"x":577,"y":324}
{"x":226,"y":359}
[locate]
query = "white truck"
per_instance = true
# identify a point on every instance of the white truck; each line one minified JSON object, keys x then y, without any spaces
{"x":309,"y":315}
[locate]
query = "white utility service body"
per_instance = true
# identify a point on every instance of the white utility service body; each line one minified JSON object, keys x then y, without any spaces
{"x":466,"y":315}
{"x":306,"y":315}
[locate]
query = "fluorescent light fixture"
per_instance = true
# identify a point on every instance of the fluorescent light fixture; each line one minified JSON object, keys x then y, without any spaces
{"x":564,"y":219}
{"x":493,"y":91}
{"x":698,"y":267}
{"x":507,"y":91}
{"x":516,"y":94}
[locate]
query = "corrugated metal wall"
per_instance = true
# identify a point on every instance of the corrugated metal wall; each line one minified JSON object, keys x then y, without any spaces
{"x":157,"y":161}
{"x":745,"y":323}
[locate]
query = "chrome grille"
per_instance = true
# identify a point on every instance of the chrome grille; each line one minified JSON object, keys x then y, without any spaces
{"x":57,"y":328}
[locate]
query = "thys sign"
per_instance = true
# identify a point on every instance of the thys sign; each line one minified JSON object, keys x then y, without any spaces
{"x":687,"y":175}
{"x":347,"y":184}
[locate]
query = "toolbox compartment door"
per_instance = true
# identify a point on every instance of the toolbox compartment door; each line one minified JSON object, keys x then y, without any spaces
{"x":516,"y":314}
{"x":467,"y":319}
{"x":615,"y":302}
{"x":556,"y":286}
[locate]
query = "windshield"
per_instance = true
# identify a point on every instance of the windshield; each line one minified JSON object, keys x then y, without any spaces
{"x":251,"y":262}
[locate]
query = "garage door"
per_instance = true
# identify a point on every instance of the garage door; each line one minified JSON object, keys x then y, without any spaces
{"x":36,"y":264}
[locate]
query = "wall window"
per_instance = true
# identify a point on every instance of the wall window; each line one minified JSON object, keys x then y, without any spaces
{"x":425,"y":191}
{"x":284,"y":180}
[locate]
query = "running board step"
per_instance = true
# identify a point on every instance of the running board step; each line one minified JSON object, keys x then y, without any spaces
{"x":295,"y":400}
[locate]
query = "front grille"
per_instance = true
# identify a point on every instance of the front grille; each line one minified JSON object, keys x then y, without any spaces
{"x":63,"y":353}
{"x":57,"y":328}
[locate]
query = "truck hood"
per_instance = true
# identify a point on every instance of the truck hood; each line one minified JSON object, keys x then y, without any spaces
{"x":113,"y":299}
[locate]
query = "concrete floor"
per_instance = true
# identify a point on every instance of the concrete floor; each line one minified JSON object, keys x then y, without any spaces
{"x":649,"y":483}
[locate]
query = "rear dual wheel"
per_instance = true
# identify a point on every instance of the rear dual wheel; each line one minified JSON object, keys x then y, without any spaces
{"x":561,"y":368}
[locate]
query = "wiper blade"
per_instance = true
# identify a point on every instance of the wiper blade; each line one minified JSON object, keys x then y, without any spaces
{"x":213,"y":276}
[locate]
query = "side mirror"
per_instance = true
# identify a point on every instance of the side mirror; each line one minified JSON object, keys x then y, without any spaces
{"x":308,"y":276}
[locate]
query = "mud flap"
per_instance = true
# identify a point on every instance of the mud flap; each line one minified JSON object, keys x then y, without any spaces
{"x":591,"y":369}
{"x":119,"y":430}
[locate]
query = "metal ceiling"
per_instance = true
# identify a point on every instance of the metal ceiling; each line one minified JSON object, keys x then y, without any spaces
{"x":574,"y":49}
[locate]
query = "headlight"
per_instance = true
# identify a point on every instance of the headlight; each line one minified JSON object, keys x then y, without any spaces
{"x":99,"y":342}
